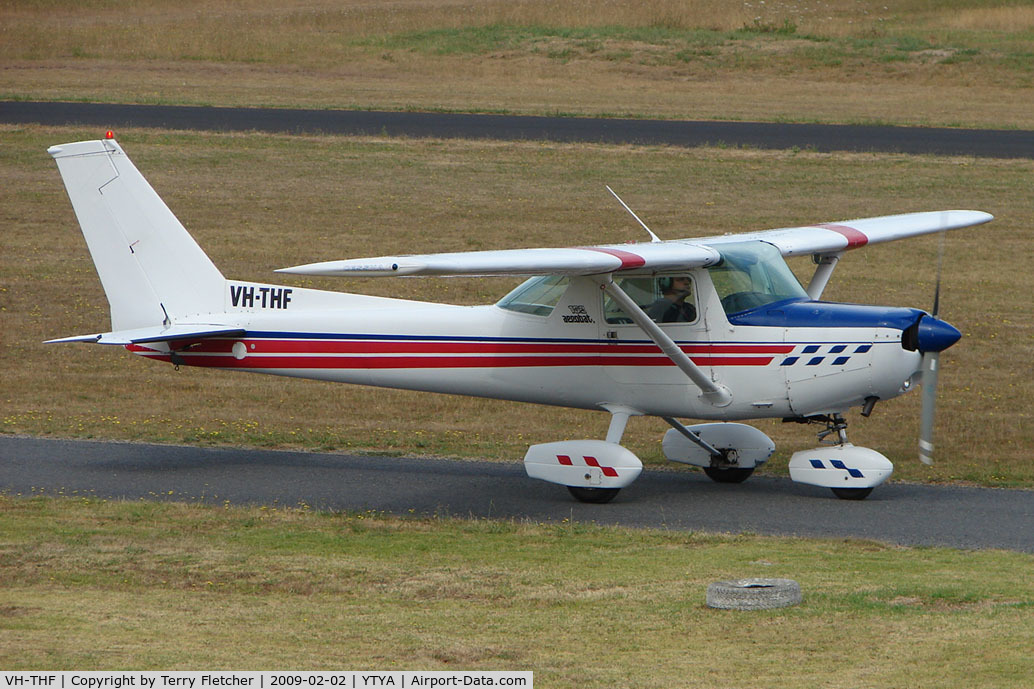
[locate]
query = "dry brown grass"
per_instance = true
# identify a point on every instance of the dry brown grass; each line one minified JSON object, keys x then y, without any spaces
{"x":254,"y":24}
{"x":1010,"y":19}
{"x":843,"y":60}
{"x":257,"y":202}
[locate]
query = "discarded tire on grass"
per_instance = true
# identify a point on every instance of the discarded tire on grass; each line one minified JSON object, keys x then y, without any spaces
{"x":753,"y":594}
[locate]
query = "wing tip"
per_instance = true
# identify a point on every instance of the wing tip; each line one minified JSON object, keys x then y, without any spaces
{"x":354,"y":267}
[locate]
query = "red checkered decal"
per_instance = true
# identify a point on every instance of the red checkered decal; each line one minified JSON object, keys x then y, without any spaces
{"x":589,"y":461}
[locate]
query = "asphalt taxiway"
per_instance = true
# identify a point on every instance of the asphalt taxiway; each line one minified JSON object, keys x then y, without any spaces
{"x":774,"y":135}
{"x":679,"y":499}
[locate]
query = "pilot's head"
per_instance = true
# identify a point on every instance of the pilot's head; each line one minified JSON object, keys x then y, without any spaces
{"x":679,"y":285}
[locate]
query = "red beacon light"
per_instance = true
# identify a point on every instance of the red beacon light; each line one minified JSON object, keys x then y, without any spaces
{"x":109,"y":134}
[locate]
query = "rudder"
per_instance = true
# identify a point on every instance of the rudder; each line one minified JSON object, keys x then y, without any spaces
{"x":152,"y":270}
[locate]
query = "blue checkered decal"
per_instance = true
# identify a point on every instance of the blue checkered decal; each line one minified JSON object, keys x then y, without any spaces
{"x":836,"y":464}
{"x":824,"y":351}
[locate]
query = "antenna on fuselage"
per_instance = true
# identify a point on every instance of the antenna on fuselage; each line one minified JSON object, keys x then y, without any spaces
{"x":653,"y":237}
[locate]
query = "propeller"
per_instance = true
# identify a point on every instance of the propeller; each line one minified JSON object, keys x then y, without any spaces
{"x":929,"y":367}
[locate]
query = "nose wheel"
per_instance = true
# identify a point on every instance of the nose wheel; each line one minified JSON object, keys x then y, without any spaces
{"x":850,"y":472}
{"x":851,"y":493}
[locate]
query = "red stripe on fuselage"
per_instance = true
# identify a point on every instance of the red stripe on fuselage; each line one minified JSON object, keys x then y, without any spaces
{"x":260,"y":362}
{"x":297,"y":354}
{"x":273,"y":346}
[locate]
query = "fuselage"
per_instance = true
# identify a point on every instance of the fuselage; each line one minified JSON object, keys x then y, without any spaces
{"x":572,"y":351}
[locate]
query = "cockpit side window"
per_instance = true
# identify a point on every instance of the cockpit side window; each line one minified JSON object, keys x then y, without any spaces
{"x":668,"y":299}
{"x":752,"y":274}
{"x":537,"y":296}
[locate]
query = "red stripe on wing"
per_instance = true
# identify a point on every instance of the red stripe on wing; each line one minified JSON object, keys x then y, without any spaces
{"x":627,"y":258}
{"x":855,"y":238}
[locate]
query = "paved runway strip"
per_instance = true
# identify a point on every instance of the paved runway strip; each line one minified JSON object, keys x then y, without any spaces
{"x":680,"y":499}
{"x":818,"y":137}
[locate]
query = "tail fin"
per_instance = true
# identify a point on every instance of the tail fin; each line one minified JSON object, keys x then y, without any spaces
{"x":152,"y":270}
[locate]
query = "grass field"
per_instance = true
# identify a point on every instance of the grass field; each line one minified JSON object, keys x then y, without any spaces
{"x":258,"y":202}
{"x":963,"y":62}
{"x":96,"y":585}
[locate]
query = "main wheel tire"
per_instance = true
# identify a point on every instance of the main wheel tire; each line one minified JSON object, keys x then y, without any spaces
{"x":851,"y":493}
{"x":729,"y":475}
{"x":753,"y":594}
{"x":593,"y":495}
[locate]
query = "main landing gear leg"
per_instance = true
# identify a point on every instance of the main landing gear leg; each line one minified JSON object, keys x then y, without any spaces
{"x":618,"y":421}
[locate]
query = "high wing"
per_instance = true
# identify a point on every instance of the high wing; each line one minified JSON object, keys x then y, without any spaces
{"x":592,"y":260}
{"x":835,"y":237}
{"x":825,"y":238}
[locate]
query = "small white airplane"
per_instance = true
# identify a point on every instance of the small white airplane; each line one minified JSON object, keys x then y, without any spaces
{"x":715,"y":328}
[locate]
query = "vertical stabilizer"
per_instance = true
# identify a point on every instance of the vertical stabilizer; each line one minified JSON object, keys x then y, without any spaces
{"x":152,"y":270}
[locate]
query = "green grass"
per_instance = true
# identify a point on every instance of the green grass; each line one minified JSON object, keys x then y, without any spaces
{"x":758,"y":44}
{"x":481,"y":40}
{"x":89,"y":584}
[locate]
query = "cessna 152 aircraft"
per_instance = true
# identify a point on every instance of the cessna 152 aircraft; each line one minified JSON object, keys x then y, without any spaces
{"x":716,"y":329}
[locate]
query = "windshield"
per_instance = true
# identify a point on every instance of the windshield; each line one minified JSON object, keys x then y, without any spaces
{"x":536,"y":296}
{"x":753,"y":274}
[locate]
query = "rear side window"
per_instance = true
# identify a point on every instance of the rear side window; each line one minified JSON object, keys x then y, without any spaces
{"x":537,"y":296}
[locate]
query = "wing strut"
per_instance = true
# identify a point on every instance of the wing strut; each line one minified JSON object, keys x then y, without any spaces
{"x":696,"y":439}
{"x":824,"y":265}
{"x":716,"y":394}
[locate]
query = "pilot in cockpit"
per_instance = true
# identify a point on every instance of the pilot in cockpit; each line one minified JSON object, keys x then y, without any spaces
{"x":675,"y":304}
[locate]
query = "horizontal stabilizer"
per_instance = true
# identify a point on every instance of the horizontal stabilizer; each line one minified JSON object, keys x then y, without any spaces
{"x":159,"y":333}
{"x":595,"y":260}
